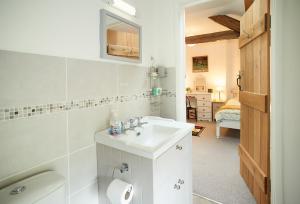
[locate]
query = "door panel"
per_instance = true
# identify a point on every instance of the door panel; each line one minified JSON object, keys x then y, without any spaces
{"x":255,"y":100}
{"x":172,"y":166}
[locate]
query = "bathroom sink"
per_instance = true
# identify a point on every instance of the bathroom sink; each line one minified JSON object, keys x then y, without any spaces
{"x":150,"y":140}
{"x":151,"y":136}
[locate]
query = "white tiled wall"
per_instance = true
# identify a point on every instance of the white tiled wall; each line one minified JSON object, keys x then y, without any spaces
{"x":127,"y":84}
{"x":168,"y":103}
{"x":90,"y":194}
{"x":27,"y":143}
{"x":31,"y":79}
{"x":83,"y":168}
{"x":83,"y":124}
{"x":62,"y":141}
{"x":87,"y":79}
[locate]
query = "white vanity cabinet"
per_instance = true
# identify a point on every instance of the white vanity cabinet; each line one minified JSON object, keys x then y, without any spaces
{"x":173,"y":173}
{"x":162,"y":180}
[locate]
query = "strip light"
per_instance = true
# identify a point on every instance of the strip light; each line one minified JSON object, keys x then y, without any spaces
{"x":124,"y":6}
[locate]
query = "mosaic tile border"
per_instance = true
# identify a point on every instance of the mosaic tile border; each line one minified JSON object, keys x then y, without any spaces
{"x":168,"y":93}
{"x":34,"y":110}
{"x":29,"y":111}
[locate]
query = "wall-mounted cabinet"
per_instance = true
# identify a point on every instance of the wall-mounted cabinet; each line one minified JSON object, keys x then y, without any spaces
{"x":123,"y":44}
{"x":120,"y":39}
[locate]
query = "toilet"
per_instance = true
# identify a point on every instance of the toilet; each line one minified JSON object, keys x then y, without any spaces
{"x":44,"y":188}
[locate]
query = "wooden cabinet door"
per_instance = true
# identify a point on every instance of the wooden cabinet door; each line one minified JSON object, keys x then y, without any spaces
{"x":254,"y":147}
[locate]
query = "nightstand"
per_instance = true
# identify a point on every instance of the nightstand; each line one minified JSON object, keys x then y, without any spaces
{"x":216,"y":105}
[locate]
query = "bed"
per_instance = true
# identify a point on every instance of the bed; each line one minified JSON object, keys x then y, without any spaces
{"x":228,"y":116}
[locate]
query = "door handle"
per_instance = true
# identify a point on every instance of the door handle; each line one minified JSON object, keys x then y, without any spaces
{"x":238,"y":81}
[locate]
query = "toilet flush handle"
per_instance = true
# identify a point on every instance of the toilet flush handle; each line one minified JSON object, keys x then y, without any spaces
{"x":17,"y":190}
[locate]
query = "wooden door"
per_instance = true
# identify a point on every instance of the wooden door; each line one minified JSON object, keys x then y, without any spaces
{"x":254,"y":147}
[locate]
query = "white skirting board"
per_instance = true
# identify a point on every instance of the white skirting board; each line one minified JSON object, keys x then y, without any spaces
{"x":234,"y":124}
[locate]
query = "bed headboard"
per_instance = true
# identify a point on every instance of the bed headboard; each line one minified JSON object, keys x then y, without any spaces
{"x":235,"y":92}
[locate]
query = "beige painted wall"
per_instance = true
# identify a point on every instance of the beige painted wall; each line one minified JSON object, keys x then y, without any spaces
{"x":223,"y":63}
{"x":63,"y":39}
{"x":65,"y":27}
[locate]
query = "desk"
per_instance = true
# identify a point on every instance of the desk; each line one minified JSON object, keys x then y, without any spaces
{"x":204,"y":105}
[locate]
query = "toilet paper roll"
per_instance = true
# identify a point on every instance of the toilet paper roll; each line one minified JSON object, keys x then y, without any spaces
{"x":119,"y":192}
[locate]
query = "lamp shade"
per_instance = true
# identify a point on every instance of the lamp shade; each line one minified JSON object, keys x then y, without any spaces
{"x":219,"y":88}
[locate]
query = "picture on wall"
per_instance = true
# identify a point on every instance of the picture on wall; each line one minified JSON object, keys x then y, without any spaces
{"x":200,"y":64}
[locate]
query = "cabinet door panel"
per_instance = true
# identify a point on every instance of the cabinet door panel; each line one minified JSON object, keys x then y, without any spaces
{"x":204,"y":115}
{"x":185,"y":172}
{"x":204,"y":109}
{"x":204,"y":97}
{"x":166,"y":176}
{"x":173,"y":173}
{"x":204,"y":103}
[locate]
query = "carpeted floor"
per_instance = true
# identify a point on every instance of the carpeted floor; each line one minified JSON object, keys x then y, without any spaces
{"x":216,"y":167}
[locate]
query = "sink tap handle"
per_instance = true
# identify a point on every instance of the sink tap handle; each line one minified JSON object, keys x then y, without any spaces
{"x":140,"y":123}
{"x":139,"y":120}
{"x":123,"y":127}
{"x":131,"y":122}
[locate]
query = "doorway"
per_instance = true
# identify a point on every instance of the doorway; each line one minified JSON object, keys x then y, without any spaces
{"x":198,"y":60}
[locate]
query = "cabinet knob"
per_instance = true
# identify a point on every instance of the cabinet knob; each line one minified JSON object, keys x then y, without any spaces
{"x":177,"y":187}
{"x":178,"y":147}
{"x":180,"y":181}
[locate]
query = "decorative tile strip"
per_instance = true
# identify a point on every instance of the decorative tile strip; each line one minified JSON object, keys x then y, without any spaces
{"x":167,"y":93}
{"x":29,"y":111}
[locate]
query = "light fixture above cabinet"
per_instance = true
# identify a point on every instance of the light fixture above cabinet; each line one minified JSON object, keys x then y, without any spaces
{"x":123,"y":6}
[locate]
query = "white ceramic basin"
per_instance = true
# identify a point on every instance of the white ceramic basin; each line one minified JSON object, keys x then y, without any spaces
{"x":151,"y":136}
{"x":148,"y":141}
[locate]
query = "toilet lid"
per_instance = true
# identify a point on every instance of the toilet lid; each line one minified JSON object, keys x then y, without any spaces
{"x":32,"y":189}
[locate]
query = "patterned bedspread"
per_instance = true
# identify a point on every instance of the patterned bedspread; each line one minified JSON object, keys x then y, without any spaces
{"x":230,"y":111}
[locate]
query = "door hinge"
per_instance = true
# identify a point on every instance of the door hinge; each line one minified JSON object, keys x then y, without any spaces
{"x":267,"y":22}
{"x":269,"y":186}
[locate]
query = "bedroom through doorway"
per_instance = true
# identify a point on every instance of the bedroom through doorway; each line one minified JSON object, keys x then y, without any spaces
{"x":212,"y":66}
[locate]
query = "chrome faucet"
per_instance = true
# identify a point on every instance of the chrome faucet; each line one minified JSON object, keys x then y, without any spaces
{"x":132,"y":123}
{"x":140,"y":123}
{"x":126,"y":126}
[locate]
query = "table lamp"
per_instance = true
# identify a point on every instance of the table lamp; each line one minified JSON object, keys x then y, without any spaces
{"x":219,"y":89}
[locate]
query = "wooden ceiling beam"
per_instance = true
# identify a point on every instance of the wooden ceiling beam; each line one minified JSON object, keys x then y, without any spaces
{"x":227,"y":21}
{"x":248,"y":3}
{"x":211,"y":37}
